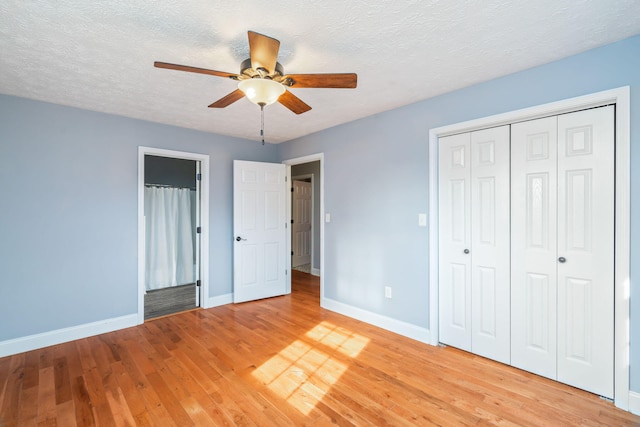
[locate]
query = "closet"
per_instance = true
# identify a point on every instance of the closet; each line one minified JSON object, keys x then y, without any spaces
{"x":550,"y":191}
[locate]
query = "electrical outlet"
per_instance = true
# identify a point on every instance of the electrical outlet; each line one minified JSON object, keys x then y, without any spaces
{"x":387,"y":292}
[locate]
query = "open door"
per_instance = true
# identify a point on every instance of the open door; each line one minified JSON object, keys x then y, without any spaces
{"x":260,"y":230}
{"x":198,"y":231}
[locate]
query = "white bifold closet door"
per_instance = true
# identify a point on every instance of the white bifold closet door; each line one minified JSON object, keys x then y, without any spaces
{"x":562,"y":280}
{"x":474,"y":242}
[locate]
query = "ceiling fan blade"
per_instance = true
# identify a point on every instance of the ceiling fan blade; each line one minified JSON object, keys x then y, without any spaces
{"x":342,"y":80}
{"x":293,"y":103}
{"x":228,"y":100}
{"x":193,"y":69}
{"x":263,"y":51}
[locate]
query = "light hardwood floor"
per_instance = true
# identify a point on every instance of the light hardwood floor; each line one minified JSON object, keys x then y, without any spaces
{"x":278,"y":362}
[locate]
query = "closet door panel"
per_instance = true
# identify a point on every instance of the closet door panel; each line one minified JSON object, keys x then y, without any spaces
{"x":586,"y":245}
{"x":490,"y":299}
{"x":533,"y":246}
{"x":454,"y":241}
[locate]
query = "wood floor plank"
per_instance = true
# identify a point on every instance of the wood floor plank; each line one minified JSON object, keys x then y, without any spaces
{"x":66,"y":414}
{"x":5,"y":365}
{"x":144,"y":402}
{"x":169,"y":400}
{"x":86,"y":357}
{"x":128,"y":387}
{"x":82,"y":402}
{"x":97,"y":395}
{"x":282,"y":361}
{"x":31,"y":373}
{"x":28,"y":414}
{"x":46,"y":395}
{"x":199,"y":416}
{"x":61,"y":380}
{"x":14,"y":372}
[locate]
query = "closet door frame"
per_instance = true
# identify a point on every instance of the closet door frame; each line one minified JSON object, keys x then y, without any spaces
{"x":621,"y":98}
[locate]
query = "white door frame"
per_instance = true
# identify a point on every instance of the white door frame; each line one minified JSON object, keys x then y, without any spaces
{"x":619,"y":96}
{"x":298,"y":161}
{"x":204,"y":221}
{"x":302,"y":178}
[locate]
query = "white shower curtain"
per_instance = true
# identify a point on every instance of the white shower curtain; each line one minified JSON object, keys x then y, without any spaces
{"x":169,"y":239}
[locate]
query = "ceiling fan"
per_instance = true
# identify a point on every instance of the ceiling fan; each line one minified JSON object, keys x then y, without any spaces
{"x":263,"y":81}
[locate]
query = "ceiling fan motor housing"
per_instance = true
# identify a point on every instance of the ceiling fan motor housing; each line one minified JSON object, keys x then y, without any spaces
{"x":247,"y":70}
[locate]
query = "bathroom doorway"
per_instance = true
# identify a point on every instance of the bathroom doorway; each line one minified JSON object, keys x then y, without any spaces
{"x":172,"y":230}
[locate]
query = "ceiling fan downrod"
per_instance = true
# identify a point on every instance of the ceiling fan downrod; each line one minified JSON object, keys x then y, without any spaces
{"x":262,"y":121}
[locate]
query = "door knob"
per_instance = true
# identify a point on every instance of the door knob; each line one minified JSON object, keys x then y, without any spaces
{"x":466,"y":251}
{"x":239,"y":239}
{"x":562,"y":259}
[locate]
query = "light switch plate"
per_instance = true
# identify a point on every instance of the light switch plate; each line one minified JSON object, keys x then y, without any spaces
{"x":422,"y":220}
{"x":327,"y":217}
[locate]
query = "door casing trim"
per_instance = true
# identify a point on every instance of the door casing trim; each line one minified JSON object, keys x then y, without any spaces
{"x":204,"y":221}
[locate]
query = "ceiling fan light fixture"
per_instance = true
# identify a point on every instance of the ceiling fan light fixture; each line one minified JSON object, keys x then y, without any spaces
{"x":261,"y":91}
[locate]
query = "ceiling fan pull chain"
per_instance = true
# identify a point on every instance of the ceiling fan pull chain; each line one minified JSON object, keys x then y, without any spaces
{"x":262,"y":123}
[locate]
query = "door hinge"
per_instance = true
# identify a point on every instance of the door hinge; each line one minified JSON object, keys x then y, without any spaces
{"x":285,"y":272}
{"x":198,"y":283}
{"x":199,"y":177}
{"x":291,"y":253}
{"x":291,"y":220}
{"x":292,"y":189}
{"x":198,"y":230}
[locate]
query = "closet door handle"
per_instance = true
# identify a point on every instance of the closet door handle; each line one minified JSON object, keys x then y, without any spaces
{"x":562,"y":259}
{"x":466,"y":251}
{"x":239,"y":239}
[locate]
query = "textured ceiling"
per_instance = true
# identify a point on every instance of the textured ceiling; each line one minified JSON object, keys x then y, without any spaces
{"x":98,"y":55}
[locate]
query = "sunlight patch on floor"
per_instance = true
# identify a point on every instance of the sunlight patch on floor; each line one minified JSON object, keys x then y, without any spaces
{"x":304,"y":370}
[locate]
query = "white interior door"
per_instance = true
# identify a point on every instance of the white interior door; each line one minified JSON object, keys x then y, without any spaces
{"x":198,"y":227}
{"x":490,"y":242}
{"x":474,"y":242}
{"x":586,"y":249}
{"x":259,"y":222}
{"x":562,"y":282}
{"x":455,"y":240}
{"x":533,"y":246}
{"x":301,"y":228}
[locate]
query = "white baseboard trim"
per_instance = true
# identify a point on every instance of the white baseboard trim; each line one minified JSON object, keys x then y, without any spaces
{"x":218,"y":300}
{"x":315,"y":271}
{"x":397,"y":326}
{"x":634,"y":402}
{"x":59,"y":336}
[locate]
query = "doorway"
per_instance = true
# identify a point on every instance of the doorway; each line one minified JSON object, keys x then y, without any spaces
{"x":302,"y":220}
{"x":172,"y":210}
{"x":305,"y":217}
{"x":309,"y":169}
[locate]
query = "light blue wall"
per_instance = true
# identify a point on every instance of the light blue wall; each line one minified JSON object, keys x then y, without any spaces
{"x":68,"y":211}
{"x":376,"y":181}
